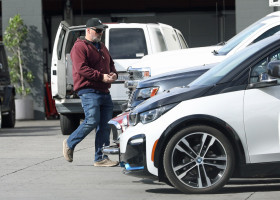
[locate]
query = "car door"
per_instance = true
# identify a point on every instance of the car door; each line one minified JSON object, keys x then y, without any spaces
{"x":262,"y":115}
{"x":58,"y":72}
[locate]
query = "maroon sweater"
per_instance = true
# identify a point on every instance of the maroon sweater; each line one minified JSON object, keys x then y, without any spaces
{"x":89,"y":65}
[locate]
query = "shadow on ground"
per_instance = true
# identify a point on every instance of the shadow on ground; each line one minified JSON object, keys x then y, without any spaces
{"x":29,"y":131}
{"x":234,"y":186}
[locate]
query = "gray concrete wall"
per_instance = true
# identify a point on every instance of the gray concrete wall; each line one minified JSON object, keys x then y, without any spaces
{"x":31,"y":12}
{"x":249,"y":11}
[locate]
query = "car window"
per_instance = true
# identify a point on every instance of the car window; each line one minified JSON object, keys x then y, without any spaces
{"x":171,"y":39}
{"x":182,"y":41}
{"x":71,"y":39}
{"x":259,"y":71}
{"x":127,"y":43}
{"x":157,"y":40}
{"x":3,"y":61}
{"x":268,"y":33}
{"x":60,"y":43}
{"x":236,"y":40}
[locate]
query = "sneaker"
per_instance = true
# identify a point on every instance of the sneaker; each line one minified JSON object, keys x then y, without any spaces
{"x":105,"y":163}
{"x":67,"y":152}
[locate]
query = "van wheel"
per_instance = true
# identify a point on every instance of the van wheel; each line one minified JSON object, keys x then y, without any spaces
{"x":198,"y":159}
{"x":69,"y":123}
{"x":9,"y":120}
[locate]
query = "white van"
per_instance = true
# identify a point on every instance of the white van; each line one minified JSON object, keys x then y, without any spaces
{"x":126,"y":42}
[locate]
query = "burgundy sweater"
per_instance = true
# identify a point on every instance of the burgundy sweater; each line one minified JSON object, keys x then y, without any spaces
{"x":89,"y":65}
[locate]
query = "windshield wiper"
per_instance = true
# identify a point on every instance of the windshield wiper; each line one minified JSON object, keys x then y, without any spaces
{"x":221,"y":43}
{"x":215,"y":52}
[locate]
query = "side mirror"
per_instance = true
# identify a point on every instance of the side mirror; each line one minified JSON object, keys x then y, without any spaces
{"x":273,"y":69}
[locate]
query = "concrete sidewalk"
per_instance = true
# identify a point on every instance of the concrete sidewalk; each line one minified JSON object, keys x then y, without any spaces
{"x":32,"y":167}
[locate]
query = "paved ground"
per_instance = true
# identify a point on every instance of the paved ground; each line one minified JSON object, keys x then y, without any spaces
{"x":32,"y":167}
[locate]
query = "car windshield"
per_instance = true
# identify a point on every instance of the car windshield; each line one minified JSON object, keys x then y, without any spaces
{"x":215,"y":74}
{"x":236,"y":40}
{"x":233,"y":42}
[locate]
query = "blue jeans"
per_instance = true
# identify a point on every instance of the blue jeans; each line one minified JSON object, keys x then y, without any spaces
{"x":98,"y":109}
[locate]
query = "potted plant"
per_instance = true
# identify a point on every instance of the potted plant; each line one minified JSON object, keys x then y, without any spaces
{"x":14,"y":37}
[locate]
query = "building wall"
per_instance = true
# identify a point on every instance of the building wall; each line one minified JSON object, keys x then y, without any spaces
{"x":199,"y":29}
{"x":249,"y":11}
{"x":31,"y":12}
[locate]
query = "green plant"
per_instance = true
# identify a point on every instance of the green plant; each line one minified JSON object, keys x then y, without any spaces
{"x":14,"y":36}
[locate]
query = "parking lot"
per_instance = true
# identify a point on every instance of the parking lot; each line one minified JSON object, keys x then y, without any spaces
{"x":32,"y":167}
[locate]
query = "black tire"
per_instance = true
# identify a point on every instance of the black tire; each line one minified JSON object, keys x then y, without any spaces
{"x":9,"y":120}
{"x":69,"y":123}
{"x":198,"y":159}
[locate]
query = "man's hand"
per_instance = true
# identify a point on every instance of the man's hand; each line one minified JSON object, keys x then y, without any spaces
{"x":113,"y":76}
{"x":109,"y":78}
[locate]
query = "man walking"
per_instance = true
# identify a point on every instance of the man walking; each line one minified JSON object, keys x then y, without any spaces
{"x":93,"y":72}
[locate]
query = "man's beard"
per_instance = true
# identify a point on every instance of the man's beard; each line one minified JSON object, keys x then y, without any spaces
{"x":96,"y":39}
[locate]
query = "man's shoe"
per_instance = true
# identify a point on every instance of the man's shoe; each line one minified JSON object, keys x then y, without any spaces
{"x":67,"y":152}
{"x":105,"y":163}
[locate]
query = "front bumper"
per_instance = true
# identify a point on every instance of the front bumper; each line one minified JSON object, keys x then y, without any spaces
{"x":64,"y":106}
{"x":134,"y":159}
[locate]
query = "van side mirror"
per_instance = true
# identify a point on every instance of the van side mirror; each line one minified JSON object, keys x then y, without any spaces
{"x":273,"y":69}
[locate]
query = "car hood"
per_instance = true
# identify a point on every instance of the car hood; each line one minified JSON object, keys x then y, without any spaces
{"x":176,"y":74}
{"x":163,"y":62}
{"x":175,"y":95}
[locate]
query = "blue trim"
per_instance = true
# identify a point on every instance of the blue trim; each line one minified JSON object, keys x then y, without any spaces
{"x":128,"y":167}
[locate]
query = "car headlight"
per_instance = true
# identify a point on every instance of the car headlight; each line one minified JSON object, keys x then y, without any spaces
{"x":150,"y":115}
{"x":139,"y":73}
{"x":146,"y":93}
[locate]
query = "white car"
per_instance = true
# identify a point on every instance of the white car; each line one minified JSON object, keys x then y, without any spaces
{"x":151,"y":65}
{"x":224,"y":124}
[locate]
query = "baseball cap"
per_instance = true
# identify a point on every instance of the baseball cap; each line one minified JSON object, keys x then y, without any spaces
{"x":95,"y":22}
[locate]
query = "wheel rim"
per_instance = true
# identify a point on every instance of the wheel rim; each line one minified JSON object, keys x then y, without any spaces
{"x":199,"y":160}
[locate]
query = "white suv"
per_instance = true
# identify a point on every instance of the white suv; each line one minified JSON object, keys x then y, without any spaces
{"x":224,"y":124}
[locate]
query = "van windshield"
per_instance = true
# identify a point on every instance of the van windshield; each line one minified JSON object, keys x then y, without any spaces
{"x":127,"y":43}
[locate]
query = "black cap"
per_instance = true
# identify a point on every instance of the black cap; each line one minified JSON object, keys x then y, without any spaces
{"x":95,"y":22}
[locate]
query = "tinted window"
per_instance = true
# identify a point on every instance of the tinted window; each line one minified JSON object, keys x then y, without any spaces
{"x":127,"y":43}
{"x":3,"y":59}
{"x":71,"y":39}
{"x":259,"y":71}
{"x":268,"y":33}
{"x":171,"y":39}
{"x":4,"y":71}
{"x":60,"y":43}
{"x":182,"y":41}
{"x":232,"y":43}
{"x":157,"y":40}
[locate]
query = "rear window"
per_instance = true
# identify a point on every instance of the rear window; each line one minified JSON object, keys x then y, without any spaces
{"x":157,"y":40}
{"x":71,"y":39}
{"x":127,"y":43}
{"x":60,"y":43}
{"x":171,"y":39}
